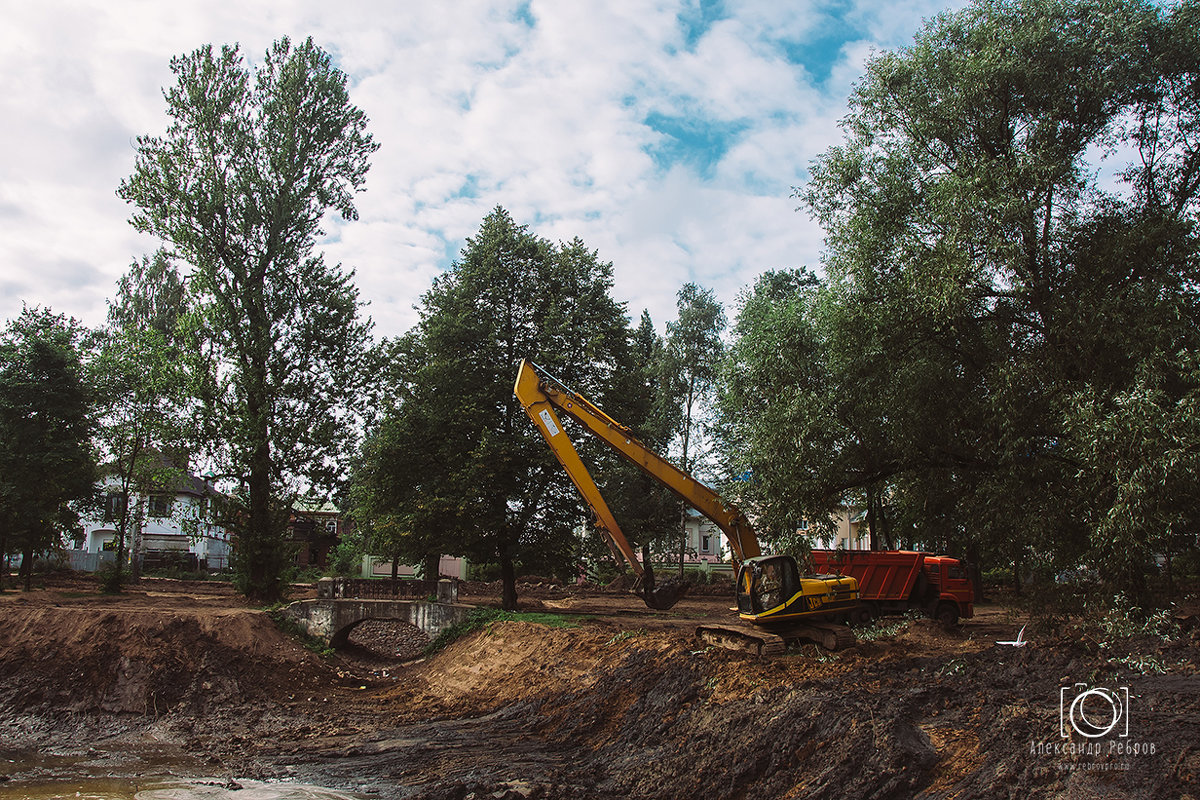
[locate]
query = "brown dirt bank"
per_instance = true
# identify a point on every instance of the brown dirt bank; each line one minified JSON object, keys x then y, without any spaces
{"x":629,"y":704}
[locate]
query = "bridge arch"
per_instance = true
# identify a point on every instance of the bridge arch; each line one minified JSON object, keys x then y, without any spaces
{"x":332,"y":619}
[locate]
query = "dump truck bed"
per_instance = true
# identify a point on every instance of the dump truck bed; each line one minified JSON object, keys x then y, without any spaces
{"x":881,"y":574}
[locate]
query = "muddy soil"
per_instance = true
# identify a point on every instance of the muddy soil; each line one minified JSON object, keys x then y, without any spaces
{"x":628,"y":703}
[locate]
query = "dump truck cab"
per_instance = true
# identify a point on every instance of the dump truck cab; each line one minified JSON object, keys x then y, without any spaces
{"x":950,"y":586}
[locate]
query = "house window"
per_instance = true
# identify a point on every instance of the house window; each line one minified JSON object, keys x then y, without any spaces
{"x":114,"y":504}
{"x":803,"y":524}
{"x":706,"y":544}
{"x":160,"y":505}
{"x":331,"y":526}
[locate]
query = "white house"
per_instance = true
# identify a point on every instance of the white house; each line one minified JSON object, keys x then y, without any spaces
{"x":172,"y":521}
{"x":706,"y":542}
{"x":849,"y":531}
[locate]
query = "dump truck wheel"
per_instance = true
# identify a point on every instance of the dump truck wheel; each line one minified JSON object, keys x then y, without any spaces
{"x":947,"y":614}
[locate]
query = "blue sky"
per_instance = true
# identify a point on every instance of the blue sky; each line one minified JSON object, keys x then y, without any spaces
{"x":667,"y":135}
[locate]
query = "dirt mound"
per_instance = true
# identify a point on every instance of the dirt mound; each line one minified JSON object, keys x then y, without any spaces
{"x":626,"y":705}
{"x":126,"y":657}
{"x":603,"y":712}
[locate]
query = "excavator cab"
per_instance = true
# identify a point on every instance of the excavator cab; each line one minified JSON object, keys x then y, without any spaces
{"x":771,"y":590}
{"x":765,"y":583}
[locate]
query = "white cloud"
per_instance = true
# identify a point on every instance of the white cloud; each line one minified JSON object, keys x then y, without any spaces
{"x":473,"y":107}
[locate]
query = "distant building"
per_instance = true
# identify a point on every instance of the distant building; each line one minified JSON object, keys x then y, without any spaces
{"x":315,"y":528}
{"x":448,"y":567}
{"x":706,"y":542}
{"x":850,"y":531}
{"x":165,"y":523}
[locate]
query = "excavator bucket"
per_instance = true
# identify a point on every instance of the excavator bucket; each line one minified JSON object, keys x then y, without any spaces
{"x":660,"y":596}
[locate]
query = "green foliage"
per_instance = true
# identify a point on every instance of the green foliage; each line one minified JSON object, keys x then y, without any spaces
{"x":138,"y":376}
{"x":455,"y":465}
{"x":643,"y":401}
{"x":955,"y":666}
{"x":1142,"y":664}
{"x":690,"y":364}
{"x":345,"y":559}
{"x":1116,"y":618}
{"x":111,"y":579}
{"x":250,"y":165}
{"x":46,"y":462}
{"x":617,"y":638}
{"x":998,"y":363}
{"x":292,"y":628}
{"x":882,"y":629}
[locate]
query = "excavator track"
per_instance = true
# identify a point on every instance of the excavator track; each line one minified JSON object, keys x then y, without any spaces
{"x":826,"y":634}
{"x":761,"y":642}
{"x":743,"y":639}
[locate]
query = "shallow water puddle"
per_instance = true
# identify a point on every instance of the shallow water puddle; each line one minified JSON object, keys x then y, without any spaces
{"x":161,"y":773}
{"x":165,"y":789}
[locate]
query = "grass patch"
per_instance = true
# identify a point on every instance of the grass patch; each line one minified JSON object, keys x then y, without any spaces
{"x":880,"y":629}
{"x":479,"y":618}
{"x":623,"y":635}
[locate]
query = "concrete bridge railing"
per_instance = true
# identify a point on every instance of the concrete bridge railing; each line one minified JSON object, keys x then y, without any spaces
{"x":331,"y":619}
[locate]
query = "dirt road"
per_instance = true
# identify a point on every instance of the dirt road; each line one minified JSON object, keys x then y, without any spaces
{"x":626,"y":704}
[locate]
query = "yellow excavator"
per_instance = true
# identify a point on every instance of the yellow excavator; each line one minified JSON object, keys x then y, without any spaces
{"x":781,"y":604}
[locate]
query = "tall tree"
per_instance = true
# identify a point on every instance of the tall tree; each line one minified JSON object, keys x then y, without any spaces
{"x":141,"y":383}
{"x":151,"y":295}
{"x":638,"y":398}
{"x":250,"y":165}
{"x":995,"y":295}
{"x":400,"y":488}
{"x":693,"y":356}
{"x":781,"y":433}
{"x":46,"y":461}
{"x":469,"y":470}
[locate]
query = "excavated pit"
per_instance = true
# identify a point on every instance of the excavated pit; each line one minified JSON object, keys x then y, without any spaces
{"x":627,"y":704}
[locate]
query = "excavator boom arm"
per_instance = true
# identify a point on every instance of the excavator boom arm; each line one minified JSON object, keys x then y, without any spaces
{"x":541,"y":397}
{"x":540,"y":409}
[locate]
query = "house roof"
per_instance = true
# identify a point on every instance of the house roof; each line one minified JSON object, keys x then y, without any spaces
{"x":310,"y":506}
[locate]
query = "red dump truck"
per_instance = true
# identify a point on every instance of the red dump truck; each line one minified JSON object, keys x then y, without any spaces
{"x":896,"y":581}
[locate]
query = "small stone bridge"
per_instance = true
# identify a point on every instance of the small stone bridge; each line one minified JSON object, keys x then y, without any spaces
{"x":331,"y":617}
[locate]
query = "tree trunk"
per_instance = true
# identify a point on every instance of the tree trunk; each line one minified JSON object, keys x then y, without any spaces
{"x":508,"y":580}
{"x":1170,"y":579}
{"x":395,"y":575}
{"x":1016,"y":576}
{"x":647,"y":571}
{"x":27,"y":566}
{"x":885,"y":525}
{"x":872,"y":534}
{"x":263,"y":568}
{"x":135,"y":548}
{"x":432,"y":567}
{"x":975,"y":570}
{"x":114,"y":585}
{"x":4,"y":562}
{"x":687,"y":432}
{"x":684,"y":536}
